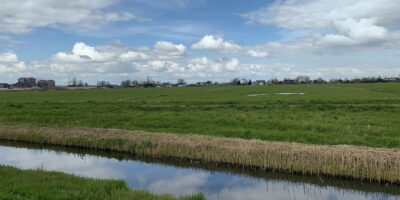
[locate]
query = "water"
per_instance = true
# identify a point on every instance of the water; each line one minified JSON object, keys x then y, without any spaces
{"x":180,"y":178}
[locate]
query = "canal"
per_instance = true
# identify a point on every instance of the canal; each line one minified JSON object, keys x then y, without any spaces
{"x":181,"y":177}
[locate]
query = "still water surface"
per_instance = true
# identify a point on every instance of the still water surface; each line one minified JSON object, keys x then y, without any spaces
{"x":178,"y":178}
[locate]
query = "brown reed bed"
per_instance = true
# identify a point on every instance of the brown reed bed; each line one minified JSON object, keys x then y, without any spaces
{"x":364,"y":163}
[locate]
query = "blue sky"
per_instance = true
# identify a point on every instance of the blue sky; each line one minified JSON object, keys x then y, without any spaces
{"x":194,"y":20}
{"x":198,"y":39}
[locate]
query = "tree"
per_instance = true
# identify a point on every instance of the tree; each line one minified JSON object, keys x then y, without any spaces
{"x":102,"y":84}
{"x":236,"y":81}
{"x":135,"y":83}
{"x":74,"y":82}
{"x":319,"y":81}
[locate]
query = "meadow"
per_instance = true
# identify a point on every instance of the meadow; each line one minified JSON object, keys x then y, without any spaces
{"x":18,"y":184}
{"x":355,"y":114}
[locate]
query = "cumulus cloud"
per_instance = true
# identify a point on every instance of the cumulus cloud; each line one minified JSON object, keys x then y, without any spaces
{"x":351,"y":32}
{"x":9,"y":63}
{"x":82,"y":52}
{"x":206,"y":67}
{"x":23,"y":16}
{"x":310,"y":14}
{"x":166,"y":61}
{"x":232,"y":64}
{"x":217,"y":43}
{"x":119,"y":60}
{"x":162,"y":65}
{"x":8,"y":57}
{"x":134,"y":56}
{"x":168,"y":50}
{"x":341,"y":23}
{"x":257,"y":53}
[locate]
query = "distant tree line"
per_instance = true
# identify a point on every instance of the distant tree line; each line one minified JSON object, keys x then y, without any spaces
{"x":76,"y":83}
{"x":308,"y":80}
{"x":297,"y":80}
{"x":367,"y":80}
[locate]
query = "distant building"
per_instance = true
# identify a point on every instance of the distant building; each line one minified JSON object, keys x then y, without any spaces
{"x":4,"y":86}
{"x":149,"y":80}
{"x":206,"y":83}
{"x":167,"y":84}
{"x":391,"y":79}
{"x":46,"y":84}
{"x":288,"y":81}
{"x":26,"y":82}
{"x":260,"y":82}
{"x":302,"y":79}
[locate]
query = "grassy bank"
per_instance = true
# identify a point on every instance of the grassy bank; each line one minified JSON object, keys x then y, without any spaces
{"x":371,"y":164}
{"x":355,"y":114}
{"x":35,"y":184}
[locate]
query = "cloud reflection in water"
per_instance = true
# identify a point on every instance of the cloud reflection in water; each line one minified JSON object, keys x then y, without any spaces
{"x":179,"y":181}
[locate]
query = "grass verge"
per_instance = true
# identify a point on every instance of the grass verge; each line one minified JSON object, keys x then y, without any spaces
{"x":370,"y":164}
{"x":18,"y":184}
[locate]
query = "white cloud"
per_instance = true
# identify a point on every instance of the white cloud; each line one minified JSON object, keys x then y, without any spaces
{"x":87,"y":166}
{"x":9,"y":63}
{"x":217,"y":43}
{"x":168,"y":50}
{"x":162,"y":65}
{"x":87,"y":59}
{"x":331,"y":24}
{"x":205,"y":67}
{"x":351,"y":32}
{"x":181,"y":184}
{"x":232,"y":64}
{"x":117,"y":59}
{"x":22,"y":16}
{"x":82,"y":52}
{"x":134,"y":56}
{"x":166,"y":61}
{"x":8,"y":57}
{"x":311,"y":14}
{"x":257,"y":53}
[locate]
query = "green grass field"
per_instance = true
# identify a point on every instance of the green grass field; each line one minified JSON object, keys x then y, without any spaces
{"x":357,"y":114}
{"x":18,"y":184}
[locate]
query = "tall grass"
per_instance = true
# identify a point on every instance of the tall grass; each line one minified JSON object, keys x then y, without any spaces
{"x":369,"y":164}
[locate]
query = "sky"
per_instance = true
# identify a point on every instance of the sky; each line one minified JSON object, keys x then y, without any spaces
{"x":198,"y":40}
